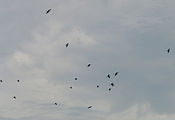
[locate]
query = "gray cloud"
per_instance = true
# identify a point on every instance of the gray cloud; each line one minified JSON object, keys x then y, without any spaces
{"x":129,"y":37}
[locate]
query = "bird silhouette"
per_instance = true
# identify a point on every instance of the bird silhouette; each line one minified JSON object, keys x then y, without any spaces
{"x":76,"y":78}
{"x":14,"y":97}
{"x":1,"y":81}
{"x":88,"y":65}
{"x":109,"y":89}
{"x":116,"y":74}
{"x":108,"y":75}
{"x":89,"y":107}
{"x":56,"y":103}
{"x":17,"y":80}
{"x":67,"y":44}
{"x":97,"y":86}
{"x":112,"y":84}
{"x":48,"y":11}
{"x":70,"y":87}
{"x":168,"y":51}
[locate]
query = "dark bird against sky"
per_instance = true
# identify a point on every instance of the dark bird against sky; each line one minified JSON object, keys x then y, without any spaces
{"x":168,"y":51}
{"x":89,"y":107}
{"x":109,"y":89}
{"x":56,"y":103}
{"x":14,"y":97}
{"x":88,"y":65}
{"x":108,"y":75}
{"x":112,"y":84}
{"x":116,"y":74}
{"x":48,"y":11}
{"x":67,"y":44}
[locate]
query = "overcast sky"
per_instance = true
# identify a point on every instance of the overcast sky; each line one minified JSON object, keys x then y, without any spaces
{"x":128,"y":36}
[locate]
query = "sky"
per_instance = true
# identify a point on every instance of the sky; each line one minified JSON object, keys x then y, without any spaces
{"x":129,"y":37}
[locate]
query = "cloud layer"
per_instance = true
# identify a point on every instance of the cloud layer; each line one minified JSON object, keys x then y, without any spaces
{"x":115,"y":35}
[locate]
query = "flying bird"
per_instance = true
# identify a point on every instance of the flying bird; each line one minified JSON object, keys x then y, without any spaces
{"x":56,"y":103}
{"x":112,"y":84}
{"x":116,"y":73}
{"x":109,"y":89}
{"x":89,"y":107}
{"x":17,"y":80}
{"x":14,"y":97}
{"x":67,"y":44}
{"x":108,"y":75}
{"x":70,"y":87}
{"x":88,"y":65}
{"x":76,"y":78}
{"x":168,"y":51}
{"x":97,"y":86}
{"x":1,"y":81}
{"x":48,"y":11}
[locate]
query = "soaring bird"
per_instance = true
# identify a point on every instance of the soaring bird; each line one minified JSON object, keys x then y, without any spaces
{"x":70,"y":87}
{"x":1,"y":81}
{"x":48,"y":11}
{"x":89,"y":107}
{"x":17,"y":80}
{"x":14,"y":97}
{"x":109,"y":89}
{"x":112,"y":84}
{"x":88,"y":65}
{"x":67,"y":44}
{"x":97,"y":86}
{"x":76,"y":78}
{"x":108,"y":75}
{"x":168,"y":51}
{"x":56,"y":103}
{"x":116,"y":74}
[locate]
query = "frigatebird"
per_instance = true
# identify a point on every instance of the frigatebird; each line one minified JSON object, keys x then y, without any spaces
{"x":168,"y":51}
{"x":109,"y":89}
{"x":112,"y":84}
{"x":89,"y":107}
{"x":67,"y":44}
{"x":108,"y":75}
{"x":88,"y":65}
{"x":56,"y":103}
{"x":116,"y":74}
{"x":48,"y":11}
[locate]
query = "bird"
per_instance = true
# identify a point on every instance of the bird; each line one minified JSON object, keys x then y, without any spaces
{"x":76,"y":78}
{"x":168,"y":50}
{"x":56,"y":103}
{"x":109,"y":89}
{"x":48,"y":11}
{"x":17,"y":80}
{"x":89,"y":107}
{"x":1,"y":81}
{"x":116,"y":73}
{"x":67,"y":44}
{"x":88,"y":65}
{"x":14,"y":97}
{"x":97,"y":86}
{"x":108,"y":75}
{"x":70,"y":87}
{"x":112,"y":84}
